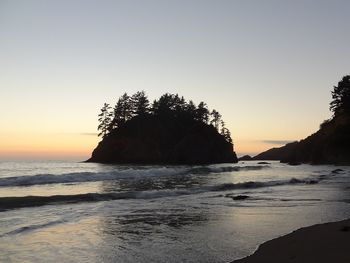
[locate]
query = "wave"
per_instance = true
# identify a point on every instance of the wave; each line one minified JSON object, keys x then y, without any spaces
{"x":242,"y":197}
{"x":253,"y":185}
{"x":30,"y":201}
{"x":7,"y":203}
{"x":25,"y":229}
{"x":131,"y":173}
{"x":225,"y":169}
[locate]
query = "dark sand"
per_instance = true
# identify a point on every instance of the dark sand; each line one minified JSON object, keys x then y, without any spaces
{"x":328,"y":242}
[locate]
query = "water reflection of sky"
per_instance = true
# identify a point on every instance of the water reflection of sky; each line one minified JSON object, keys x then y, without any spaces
{"x":206,"y":226}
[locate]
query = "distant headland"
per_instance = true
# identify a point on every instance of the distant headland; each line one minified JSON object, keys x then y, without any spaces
{"x":169,"y":131}
{"x":330,"y":144}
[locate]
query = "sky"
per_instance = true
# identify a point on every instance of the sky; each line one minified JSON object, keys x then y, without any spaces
{"x":267,"y":66}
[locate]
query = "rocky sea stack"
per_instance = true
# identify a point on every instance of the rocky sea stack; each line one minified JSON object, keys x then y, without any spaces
{"x":171,"y":131}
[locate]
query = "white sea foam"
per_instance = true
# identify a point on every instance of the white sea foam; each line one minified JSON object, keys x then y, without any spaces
{"x":115,"y":175}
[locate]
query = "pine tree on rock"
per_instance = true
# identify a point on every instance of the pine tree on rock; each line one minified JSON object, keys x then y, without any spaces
{"x":164,"y":105}
{"x":118,"y":119}
{"x":215,"y":119}
{"x":202,"y":112}
{"x":140,"y":103}
{"x":341,"y":97}
{"x":225,"y":132}
{"x":167,"y":106}
{"x":105,"y":118}
{"x":126,"y":107}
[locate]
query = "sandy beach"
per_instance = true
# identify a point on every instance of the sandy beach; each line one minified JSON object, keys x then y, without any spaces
{"x":329,"y":242}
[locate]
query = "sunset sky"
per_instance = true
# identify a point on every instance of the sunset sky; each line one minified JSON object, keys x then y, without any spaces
{"x":267,"y":66}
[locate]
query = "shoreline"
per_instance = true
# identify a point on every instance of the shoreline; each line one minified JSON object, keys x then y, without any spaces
{"x":328,"y":242}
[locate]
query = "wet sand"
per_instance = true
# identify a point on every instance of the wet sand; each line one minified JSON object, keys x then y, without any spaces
{"x":329,"y":242}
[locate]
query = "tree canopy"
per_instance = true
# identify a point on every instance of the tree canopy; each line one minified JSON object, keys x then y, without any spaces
{"x":167,"y":106}
{"x":341,"y":97}
{"x":104,"y":119}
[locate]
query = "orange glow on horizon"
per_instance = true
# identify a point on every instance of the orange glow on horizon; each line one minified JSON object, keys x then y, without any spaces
{"x":253,"y":147}
{"x":47,"y":146}
{"x":80,"y":146}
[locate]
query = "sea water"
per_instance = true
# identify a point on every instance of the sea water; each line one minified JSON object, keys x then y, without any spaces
{"x":85,"y":212}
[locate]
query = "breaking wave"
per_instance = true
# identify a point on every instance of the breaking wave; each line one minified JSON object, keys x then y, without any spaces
{"x":81,"y":177}
{"x":253,"y":185}
{"x":31,"y":201}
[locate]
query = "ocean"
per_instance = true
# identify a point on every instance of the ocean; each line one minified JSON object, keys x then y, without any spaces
{"x":86,"y":212}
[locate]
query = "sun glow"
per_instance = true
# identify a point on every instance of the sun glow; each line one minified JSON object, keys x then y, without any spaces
{"x":47,"y":146}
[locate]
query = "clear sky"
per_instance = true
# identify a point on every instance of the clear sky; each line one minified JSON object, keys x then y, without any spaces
{"x":267,"y":66}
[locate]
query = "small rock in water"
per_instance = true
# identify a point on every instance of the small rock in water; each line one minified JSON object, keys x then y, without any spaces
{"x":312,"y":182}
{"x":294,"y":163}
{"x":295,"y":181}
{"x":336,"y":171}
{"x":240,"y":197}
{"x":264,"y":163}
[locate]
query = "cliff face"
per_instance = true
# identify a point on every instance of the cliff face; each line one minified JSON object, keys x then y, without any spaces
{"x":329,"y":145}
{"x":155,"y":140}
{"x":277,"y":154}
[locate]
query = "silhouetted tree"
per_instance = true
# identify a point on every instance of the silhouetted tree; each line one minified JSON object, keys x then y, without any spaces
{"x":168,"y":106}
{"x":164,"y":105}
{"x":126,"y":107}
{"x":202,"y":112}
{"x":179,"y":105}
{"x":104,"y":120}
{"x":190,"y":110}
{"x":222,"y":128}
{"x":215,"y":119}
{"x":154,"y":107}
{"x":140,"y":103}
{"x":225,"y":132}
{"x":341,"y":97}
{"x":122,"y":111}
{"x":118,"y":118}
{"x":228,"y":136}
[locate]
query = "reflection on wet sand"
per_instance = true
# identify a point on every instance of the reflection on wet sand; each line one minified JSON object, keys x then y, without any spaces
{"x":140,"y":234}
